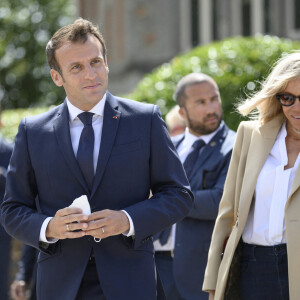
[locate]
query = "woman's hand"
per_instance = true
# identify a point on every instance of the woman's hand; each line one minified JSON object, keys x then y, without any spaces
{"x":211,"y":295}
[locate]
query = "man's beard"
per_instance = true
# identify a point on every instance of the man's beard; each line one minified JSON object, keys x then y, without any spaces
{"x":200,"y":127}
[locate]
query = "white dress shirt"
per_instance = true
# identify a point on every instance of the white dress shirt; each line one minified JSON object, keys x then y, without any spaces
{"x":76,"y":127}
{"x":265,"y":224}
{"x":183,"y":150}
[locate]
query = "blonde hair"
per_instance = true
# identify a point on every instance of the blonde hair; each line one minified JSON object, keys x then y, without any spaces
{"x":263,"y":105}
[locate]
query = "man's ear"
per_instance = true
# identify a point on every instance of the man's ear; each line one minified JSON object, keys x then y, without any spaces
{"x":56,"y":77}
{"x":182,"y":113}
{"x":105,"y":60}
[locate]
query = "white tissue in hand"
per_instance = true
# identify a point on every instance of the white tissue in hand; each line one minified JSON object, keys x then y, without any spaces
{"x":83,"y":203}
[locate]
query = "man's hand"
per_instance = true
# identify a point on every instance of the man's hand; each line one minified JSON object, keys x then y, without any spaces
{"x":105,"y":223}
{"x":65,"y":221}
{"x":18,"y":290}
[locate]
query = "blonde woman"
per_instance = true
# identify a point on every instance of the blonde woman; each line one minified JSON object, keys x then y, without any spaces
{"x":259,"y":214}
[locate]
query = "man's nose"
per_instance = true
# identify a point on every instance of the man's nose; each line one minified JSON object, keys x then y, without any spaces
{"x":211,"y":107}
{"x":90,"y":72}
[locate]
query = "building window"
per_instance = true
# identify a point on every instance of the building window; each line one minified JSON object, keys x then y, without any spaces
{"x":267,"y":16}
{"x":246,"y":17}
{"x":292,"y":18}
{"x":297,"y":14}
{"x":195,"y":22}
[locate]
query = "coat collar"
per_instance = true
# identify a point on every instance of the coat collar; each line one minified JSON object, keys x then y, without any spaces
{"x":110,"y":125}
{"x":62,"y":131}
{"x":261,"y":142}
{"x":209,"y":149}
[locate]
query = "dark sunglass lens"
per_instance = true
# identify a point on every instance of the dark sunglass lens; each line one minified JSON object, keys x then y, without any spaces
{"x":286,"y":99}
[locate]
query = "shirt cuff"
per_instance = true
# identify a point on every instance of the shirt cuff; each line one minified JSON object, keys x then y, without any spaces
{"x":43,"y":232}
{"x":131,"y":231}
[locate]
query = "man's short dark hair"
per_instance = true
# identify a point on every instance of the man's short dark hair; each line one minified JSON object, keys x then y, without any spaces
{"x":188,"y":80}
{"x":76,"y":32}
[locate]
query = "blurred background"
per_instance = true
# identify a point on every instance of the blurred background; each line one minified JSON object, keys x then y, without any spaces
{"x":151,"y":45}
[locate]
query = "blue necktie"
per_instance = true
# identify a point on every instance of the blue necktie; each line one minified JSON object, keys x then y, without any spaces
{"x":86,"y":148}
{"x":191,"y":159}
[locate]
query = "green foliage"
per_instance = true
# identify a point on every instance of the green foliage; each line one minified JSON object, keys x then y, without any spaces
{"x":237,"y":64}
{"x":25,"y":28}
{"x":10,"y":120}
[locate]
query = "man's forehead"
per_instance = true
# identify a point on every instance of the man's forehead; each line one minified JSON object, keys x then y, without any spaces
{"x":203,"y":86}
{"x":76,"y":51}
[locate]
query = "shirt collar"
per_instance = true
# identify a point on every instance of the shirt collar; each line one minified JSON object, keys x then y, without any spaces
{"x":279,"y":151}
{"x":98,"y":109}
{"x":190,"y":138}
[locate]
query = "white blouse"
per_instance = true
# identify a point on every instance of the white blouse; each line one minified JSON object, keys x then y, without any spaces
{"x":265,"y":224}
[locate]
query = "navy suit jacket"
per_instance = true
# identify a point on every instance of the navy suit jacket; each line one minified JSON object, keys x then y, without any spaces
{"x":193,"y":233}
{"x":27,"y":268}
{"x":5,"y":240}
{"x":5,"y":154}
{"x":136,"y":155}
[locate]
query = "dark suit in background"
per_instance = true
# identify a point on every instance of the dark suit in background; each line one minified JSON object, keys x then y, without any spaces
{"x":205,"y":151}
{"x":5,"y":240}
{"x":26,"y":273}
{"x":193,"y":233}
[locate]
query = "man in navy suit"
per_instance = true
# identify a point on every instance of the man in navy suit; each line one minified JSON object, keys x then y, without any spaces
{"x":110,"y":149}
{"x":205,"y":150}
{"x":5,"y":240}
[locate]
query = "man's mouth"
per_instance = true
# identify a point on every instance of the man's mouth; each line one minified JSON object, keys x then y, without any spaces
{"x":92,"y":86}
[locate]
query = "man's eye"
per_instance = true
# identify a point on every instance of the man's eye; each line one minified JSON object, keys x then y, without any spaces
{"x":75,"y":67}
{"x":96,"y":61}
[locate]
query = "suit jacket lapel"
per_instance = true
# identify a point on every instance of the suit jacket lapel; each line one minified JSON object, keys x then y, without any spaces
{"x":110,"y":125}
{"x":209,"y":149}
{"x":262,"y":141}
{"x":62,"y":131}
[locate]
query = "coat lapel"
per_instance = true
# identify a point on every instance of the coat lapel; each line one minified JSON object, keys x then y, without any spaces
{"x":262,"y":141}
{"x":62,"y":131}
{"x":110,"y":125}
{"x":210,"y":149}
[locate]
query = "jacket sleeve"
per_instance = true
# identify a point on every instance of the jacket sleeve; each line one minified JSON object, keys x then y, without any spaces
{"x":18,"y":210}
{"x":27,"y":264}
{"x":206,"y":203}
{"x":172,"y":198}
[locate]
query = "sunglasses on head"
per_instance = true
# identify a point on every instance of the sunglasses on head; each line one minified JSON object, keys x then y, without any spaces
{"x":286,"y":99}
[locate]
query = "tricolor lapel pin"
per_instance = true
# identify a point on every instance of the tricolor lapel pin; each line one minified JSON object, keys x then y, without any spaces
{"x":115,"y":117}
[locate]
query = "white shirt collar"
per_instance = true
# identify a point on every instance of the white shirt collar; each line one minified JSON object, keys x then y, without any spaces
{"x":278,"y":150}
{"x":190,"y":138}
{"x":98,"y":109}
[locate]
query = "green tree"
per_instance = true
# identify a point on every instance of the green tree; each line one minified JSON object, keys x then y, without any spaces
{"x":25,"y":28}
{"x":237,"y":64}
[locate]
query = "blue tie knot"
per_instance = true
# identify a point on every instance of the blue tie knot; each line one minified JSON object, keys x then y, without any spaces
{"x":86,"y":118}
{"x":198,"y":144}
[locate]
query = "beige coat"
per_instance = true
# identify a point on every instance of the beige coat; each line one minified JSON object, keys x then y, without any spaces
{"x":252,"y":147}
